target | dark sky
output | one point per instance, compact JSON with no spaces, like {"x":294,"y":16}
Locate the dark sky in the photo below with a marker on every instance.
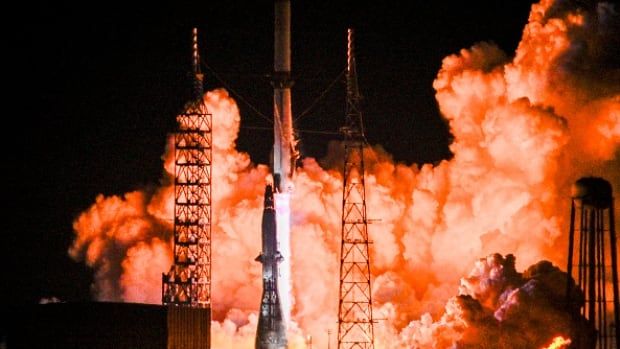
{"x":103,"y":84}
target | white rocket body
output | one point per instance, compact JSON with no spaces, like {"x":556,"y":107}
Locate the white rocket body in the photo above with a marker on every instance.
{"x":284,"y":147}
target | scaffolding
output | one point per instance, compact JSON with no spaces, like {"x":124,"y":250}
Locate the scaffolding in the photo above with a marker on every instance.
{"x":355,"y":320}
{"x":188,"y":283}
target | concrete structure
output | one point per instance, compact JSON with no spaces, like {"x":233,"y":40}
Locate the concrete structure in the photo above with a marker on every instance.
{"x":101,"y":325}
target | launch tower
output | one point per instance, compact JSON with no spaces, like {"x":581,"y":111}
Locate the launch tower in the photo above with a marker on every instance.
{"x":188,"y":283}
{"x":355,"y":321}
{"x":592,"y":258}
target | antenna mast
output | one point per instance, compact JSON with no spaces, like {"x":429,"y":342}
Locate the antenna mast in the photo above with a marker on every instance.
{"x":355,"y":320}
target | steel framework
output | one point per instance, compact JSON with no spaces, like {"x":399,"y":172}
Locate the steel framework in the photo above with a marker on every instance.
{"x":355,"y":320}
{"x":593,"y":247}
{"x":189,"y":280}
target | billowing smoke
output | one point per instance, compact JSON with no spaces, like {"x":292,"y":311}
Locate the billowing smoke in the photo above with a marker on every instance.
{"x":499,"y":308}
{"x":525,"y":127}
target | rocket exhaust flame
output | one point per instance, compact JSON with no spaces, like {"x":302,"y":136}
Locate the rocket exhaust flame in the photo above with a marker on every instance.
{"x":558,"y":343}
{"x":525,"y":128}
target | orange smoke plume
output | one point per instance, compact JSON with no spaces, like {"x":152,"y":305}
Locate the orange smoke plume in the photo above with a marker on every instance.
{"x":524,"y":127}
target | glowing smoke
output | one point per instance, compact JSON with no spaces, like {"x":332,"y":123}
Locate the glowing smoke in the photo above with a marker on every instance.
{"x":524,"y":129}
{"x":499,"y":308}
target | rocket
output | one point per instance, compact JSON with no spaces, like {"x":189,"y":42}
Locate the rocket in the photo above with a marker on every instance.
{"x":271,"y":331}
{"x":284,"y":148}
{"x":285,"y":153}
{"x":275,"y":256}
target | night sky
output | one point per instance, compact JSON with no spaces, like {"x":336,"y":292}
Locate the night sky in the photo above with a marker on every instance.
{"x":104,"y":83}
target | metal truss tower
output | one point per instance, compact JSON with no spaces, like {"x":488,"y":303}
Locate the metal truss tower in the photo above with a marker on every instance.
{"x":593,"y":259}
{"x":188,"y":282}
{"x":355,"y":321}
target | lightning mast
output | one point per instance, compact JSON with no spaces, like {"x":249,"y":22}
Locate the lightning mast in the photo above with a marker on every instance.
{"x":188,"y":283}
{"x":355,"y":320}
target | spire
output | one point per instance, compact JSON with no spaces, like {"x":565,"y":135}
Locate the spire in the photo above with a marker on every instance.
{"x":353,"y":121}
{"x":198,"y":76}
{"x":352,"y":89}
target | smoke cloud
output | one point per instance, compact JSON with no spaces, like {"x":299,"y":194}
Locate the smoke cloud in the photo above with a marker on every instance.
{"x":497,"y":307}
{"x":525,"y":127}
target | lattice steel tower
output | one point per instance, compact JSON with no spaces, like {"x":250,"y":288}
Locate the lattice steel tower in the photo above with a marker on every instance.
{"x":355,"y":321}
{"x":593,"y":259}
{"x":189,"y":280}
